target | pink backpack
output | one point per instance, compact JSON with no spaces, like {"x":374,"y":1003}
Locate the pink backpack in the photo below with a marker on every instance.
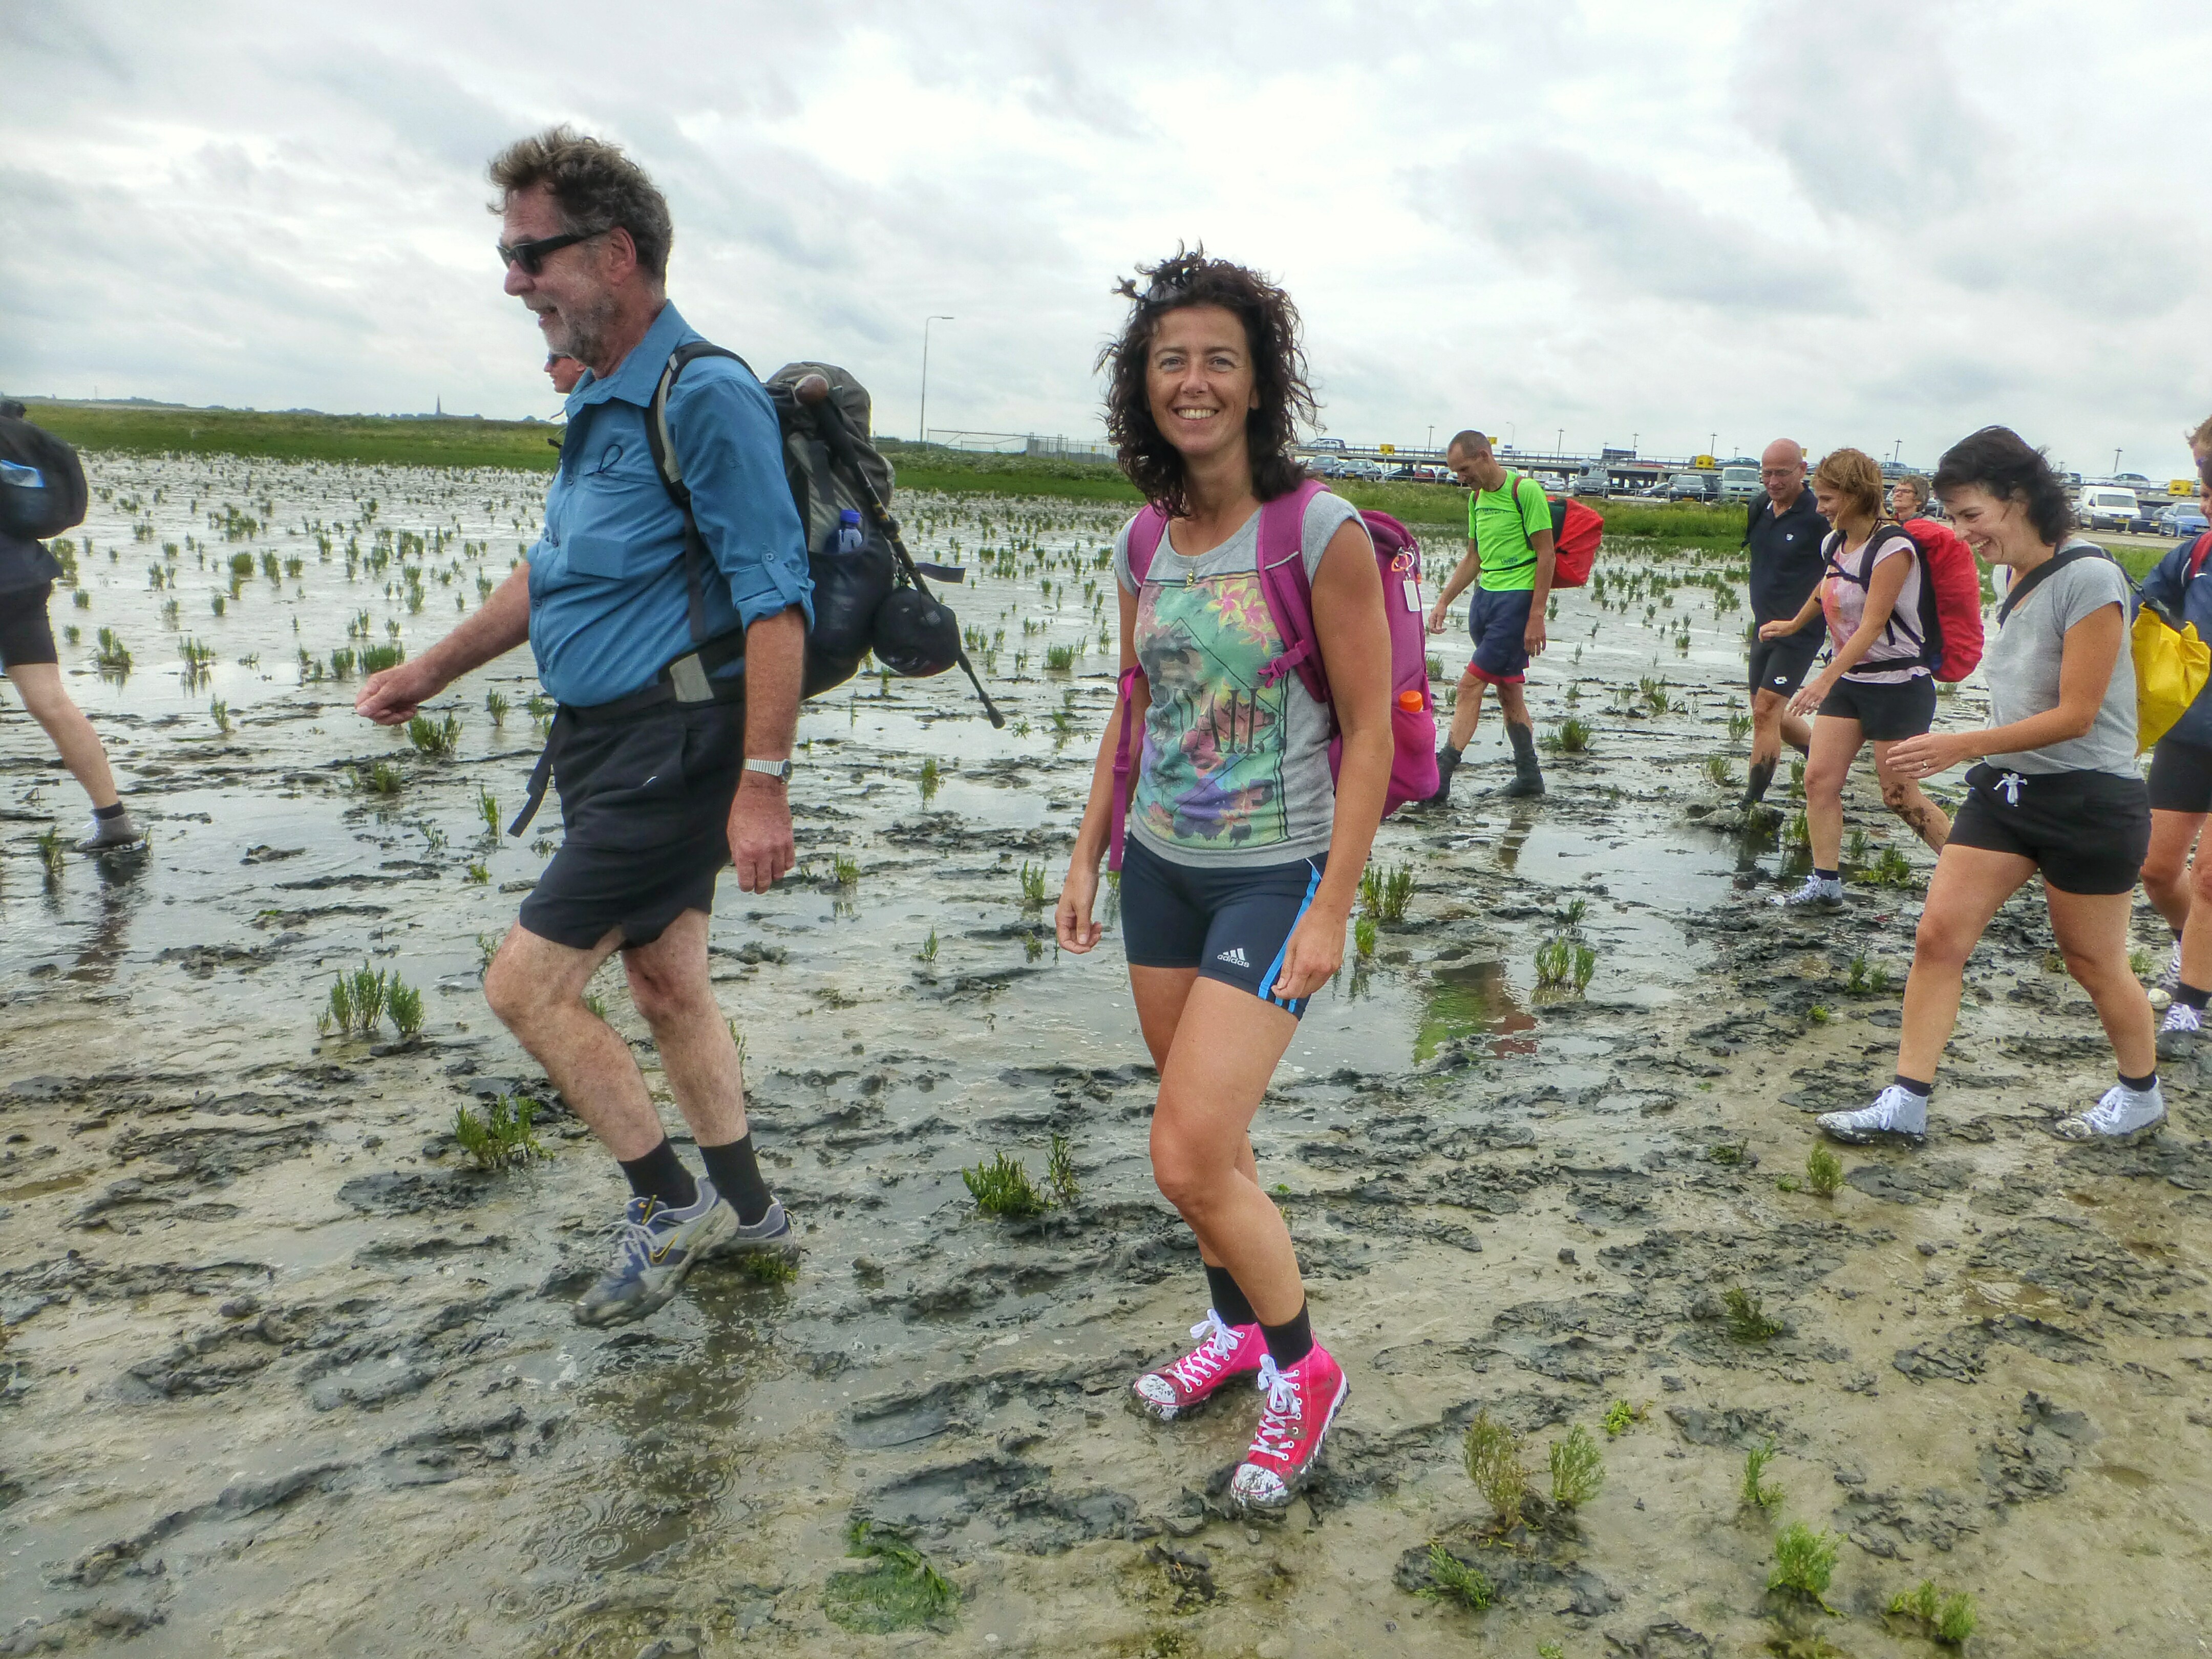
{"x":1290,"y":603}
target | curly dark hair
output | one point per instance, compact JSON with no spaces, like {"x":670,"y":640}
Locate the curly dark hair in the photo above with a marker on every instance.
{"x":595,"y":186}
{"x":2001,"y":461}
{"x":1278,"y":366}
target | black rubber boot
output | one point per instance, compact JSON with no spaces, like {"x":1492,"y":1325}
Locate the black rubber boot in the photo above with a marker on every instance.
{"x":1527,"y":776}
{"x":1447,"y":763}
{"x":1762,"y":774}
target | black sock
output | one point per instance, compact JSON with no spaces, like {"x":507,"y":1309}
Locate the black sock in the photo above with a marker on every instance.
{"x":661,"y":1175}
{"x":1289,"y":1344}
{"x":1828,"y":875}
{"x":1229,"y":1298}
{"x":103,"y":813}
{"x":2149,"y":1080}
{"x":1762,"y":774}
{"x":2191,"y":995}
{"x":1914,"y":1086}
{"x":736,"y":1175}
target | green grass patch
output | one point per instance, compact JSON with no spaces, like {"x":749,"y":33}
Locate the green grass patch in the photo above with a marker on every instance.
{"x":898,"y":1590}
{"x":370,"y":439}
{"x":1949,"y":1618}
{"x":1804,"y":1561}
{"x":502,"y":1137}
{"x":1456,"y":1581}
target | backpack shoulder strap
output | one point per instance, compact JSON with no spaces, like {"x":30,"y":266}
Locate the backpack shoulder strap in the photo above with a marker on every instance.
{"x":1145,"y":532}
{"x":1289,"y":591}
{"x":2198,"y":555}
{"x":2035,"y":578}
{"x":670,"y":466}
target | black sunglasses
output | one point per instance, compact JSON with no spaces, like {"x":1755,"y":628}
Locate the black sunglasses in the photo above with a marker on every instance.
{"x":531,"y":256}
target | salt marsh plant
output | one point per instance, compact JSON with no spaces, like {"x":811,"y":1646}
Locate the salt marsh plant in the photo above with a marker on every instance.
{"x":1621,"y":1417}
{"x":1864,"y":980}
{"x":1033,"y":893}
{"x":357,"y":1002}
{"x":1757,"y":1493}
{"x":1577,"y":1468}
{"x":1566,"y":962}
{"x":1003,"y":1187}
{"x":1060,"y":658}
{"x":342,"y":665}
{"x":845,"y":869}
{"x":496,"y":705}
{"x":1385,"y":893}
{"x":1892,"y":869}
{"x":404,"y":1003}
{"x":898,"y":1590}
{"x":375,"y":659}
{"x":1492,"y":1452}
{"x":1746,"y":1316}
{"x":488,"y":810}
{"x":930,"y":778}
{"x":219,"y":712}
{"x":1571,"y":736}
{"x":113,"y":656}
{"x":1456,"y":1581}
{"x":1738,"y":727}
{"x":435,"y":738}
{"x":241,"y":564}
{"x":928,"y":951}
{"x":1949,"y":1618}
{"x":479,"y":873}
{"x":1800,"y":832}
{"x":1859,"y":847}
{"x":216,"y":605}
{"x":1363,"y":937}
{"x":51,"y":850}
{"x":1060,"y":1174}
{"x":502,"y":1138}
{"x":1824,"y":1172}
{"x":769,"y":1267}
{"x":383,"y":779}
{"x":1717,"y":768}
{"x":1804,"y":1561}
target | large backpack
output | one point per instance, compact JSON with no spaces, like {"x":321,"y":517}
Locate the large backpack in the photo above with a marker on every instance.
{"x":42,"y":490}
{"x":1950,"y":600}
{"x":1576,"y":529}
{"x":1289,"y":594}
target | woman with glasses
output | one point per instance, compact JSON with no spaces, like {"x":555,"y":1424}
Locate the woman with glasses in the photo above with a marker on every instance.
{"x":2181,"y":791}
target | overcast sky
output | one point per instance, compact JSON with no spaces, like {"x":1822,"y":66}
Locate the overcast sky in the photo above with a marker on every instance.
{"x":1846,"y":221}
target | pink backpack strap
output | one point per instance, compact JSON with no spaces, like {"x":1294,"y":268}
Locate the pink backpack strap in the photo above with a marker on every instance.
{"x":1145,"y":532}
{"x":1289,"y":591}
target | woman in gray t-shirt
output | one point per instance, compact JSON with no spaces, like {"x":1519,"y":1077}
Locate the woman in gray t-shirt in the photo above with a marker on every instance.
{"x":2056,"y":790}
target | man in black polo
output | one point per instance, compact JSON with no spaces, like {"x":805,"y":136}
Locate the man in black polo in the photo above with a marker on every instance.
{"x":1783,"y":542}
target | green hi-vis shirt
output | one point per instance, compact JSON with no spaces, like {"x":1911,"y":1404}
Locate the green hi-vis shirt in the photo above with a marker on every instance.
{"x":1505,"y":523}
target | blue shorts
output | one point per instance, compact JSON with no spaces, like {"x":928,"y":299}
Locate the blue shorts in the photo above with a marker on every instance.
{"x":1500,"y":623}
{"x":1230,"y":925}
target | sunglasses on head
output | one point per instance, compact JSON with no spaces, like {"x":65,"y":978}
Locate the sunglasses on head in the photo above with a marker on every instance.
{"x":531,"y":256}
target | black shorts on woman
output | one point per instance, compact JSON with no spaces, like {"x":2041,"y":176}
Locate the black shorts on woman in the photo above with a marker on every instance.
{"x":2086,"y":831}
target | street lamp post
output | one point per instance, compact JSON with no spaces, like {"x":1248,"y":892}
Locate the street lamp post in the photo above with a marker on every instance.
{"x":1431,"y":444}
{"x":1560,"y":443}
{"x":926,"y":322}
{"x":2116,"y":461}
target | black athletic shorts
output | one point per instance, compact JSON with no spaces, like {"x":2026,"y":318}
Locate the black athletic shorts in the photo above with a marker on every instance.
{"x":2086,"y":831}
{"x":1230,"y":925}
{"x":645,"y":801}
{"x":1780,"y":666}
{"x":26,"y":636}
{"x":2180,"y":777}
{"x":1884,"y":713}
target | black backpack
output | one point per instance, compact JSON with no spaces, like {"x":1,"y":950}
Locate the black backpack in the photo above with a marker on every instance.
{"x":42,"y":490}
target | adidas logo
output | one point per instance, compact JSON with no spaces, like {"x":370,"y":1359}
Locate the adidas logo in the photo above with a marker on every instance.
{"x":1235,"y":958}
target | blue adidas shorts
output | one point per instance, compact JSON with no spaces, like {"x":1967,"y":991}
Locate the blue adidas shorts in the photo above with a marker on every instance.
{"x":1230,"y":925}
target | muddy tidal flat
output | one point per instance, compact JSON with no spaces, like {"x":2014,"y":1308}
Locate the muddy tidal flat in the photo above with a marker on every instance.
{"x":285,"y":1372}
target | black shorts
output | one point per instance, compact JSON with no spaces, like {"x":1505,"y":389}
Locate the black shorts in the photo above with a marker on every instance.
{"x":1230,"y":925}
{"x":2086,"y":831}
{"x":1780,"y":666}
{"x":2180,"y":777}
{"x":26,"y":636}
{"x":1884,"y":713}
{"x":645,"y":803}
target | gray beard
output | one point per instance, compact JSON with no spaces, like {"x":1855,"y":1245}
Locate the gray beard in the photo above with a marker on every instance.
{"x":582,"y":335}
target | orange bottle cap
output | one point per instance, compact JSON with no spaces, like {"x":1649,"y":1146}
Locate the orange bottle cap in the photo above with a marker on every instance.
{"x":1409,"y":701}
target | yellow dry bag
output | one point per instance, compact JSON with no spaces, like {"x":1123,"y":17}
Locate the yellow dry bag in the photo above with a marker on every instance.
{"x":2170,"y":668}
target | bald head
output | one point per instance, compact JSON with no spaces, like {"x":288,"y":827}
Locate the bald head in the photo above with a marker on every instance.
{"x":1782,"y":469}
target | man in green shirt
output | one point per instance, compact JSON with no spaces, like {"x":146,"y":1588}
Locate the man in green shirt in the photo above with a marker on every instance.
{"x":1508,"y":541}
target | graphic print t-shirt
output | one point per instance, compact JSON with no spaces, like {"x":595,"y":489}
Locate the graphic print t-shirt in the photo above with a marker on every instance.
{"x":1234,"y":774}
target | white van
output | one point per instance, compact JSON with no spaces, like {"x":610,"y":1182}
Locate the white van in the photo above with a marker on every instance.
{"x":1739,"y":483}
{"x":2100,"y":507}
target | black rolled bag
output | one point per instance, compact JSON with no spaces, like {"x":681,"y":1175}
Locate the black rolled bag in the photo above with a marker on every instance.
{"x":42,"y":493}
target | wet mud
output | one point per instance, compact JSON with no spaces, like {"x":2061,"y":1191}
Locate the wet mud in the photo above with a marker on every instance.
{"x":285,"y":1373}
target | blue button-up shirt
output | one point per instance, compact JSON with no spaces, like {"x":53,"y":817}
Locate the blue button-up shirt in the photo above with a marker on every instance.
{"x":609,"y":605}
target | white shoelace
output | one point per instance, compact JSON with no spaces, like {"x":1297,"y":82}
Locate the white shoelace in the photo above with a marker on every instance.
{"x":1197,"y":1368}
{"x":2106,"y":1116}
{"x":2180,"y":1017}
{"x":1278,"y":1422}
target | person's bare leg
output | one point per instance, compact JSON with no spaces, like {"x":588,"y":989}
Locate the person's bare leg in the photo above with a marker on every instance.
{"x":1513,"y":704}
{"x":537,"y":989}
{"x":1835,"y":745}
{"x":1766,"y":709}
{"x":1161,"y":994}
{"x":2197,"y":934}
{"x":669,"y":985}
{"x":1902,"y":796}
{"x":39,"y":685}
{"x":2092,"y":931}
{"x":2165,"y":875}
{"x":1969,"y":885}
{"x":1217,"y":1072}
{"x":1466,"y":708}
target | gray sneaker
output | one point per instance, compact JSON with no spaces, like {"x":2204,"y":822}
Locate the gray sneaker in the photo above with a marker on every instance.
{"x":1814,"y":895}
{"x":654,"y":1247}
{"x":1897,"y":1114}
{"x":771,"y":1235}
{"x":2177,"y":1032}
{"x":2122,"y":1118}
{"x":111,"y":835}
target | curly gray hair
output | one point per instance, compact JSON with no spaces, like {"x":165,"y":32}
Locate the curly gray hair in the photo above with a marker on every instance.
{"x":595,"y":186}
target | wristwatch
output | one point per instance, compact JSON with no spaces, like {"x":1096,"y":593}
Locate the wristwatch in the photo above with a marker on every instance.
{"x":780,"y":770}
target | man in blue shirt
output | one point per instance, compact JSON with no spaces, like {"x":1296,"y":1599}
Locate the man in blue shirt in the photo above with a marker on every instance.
{"x":660,"y":783}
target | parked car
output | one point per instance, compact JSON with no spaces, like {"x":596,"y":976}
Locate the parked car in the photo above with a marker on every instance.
{"x":2183,"y":519}
{"x":1326,"y":443}
{"x":2100,"y":507}
{"x":1687,"y":487}
{"x":1595,"y":481}
{"x":1368,"y":471}
{"x":1739,"y":483}
{"x":1405,"y":474}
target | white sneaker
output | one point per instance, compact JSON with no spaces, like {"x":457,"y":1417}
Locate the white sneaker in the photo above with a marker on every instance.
{"x":1897,"y":1114}
{"x":2177,"y":1033}
{"x":2123,"y":1117}
{"x":1815,"y":895}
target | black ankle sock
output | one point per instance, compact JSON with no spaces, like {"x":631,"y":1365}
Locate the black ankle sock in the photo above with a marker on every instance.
{"x":1289,"y":1344}
{"x":103,"y":813}
{"x":2149,"y":1080}
{"x":661,"y":1175}
{"x":736,"y":1175}
{"x":1828,"y":875}
{"x":1762,"y":774}
{"x":2191,"y":995}
{"x":1229,"y":1298}
{"x":1915,"y":1086}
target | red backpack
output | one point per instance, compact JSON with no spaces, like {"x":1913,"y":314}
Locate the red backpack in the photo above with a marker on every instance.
{"x":1576,"y":529}
{"x":1950,"y":600}
{"x":1289,"y":594}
